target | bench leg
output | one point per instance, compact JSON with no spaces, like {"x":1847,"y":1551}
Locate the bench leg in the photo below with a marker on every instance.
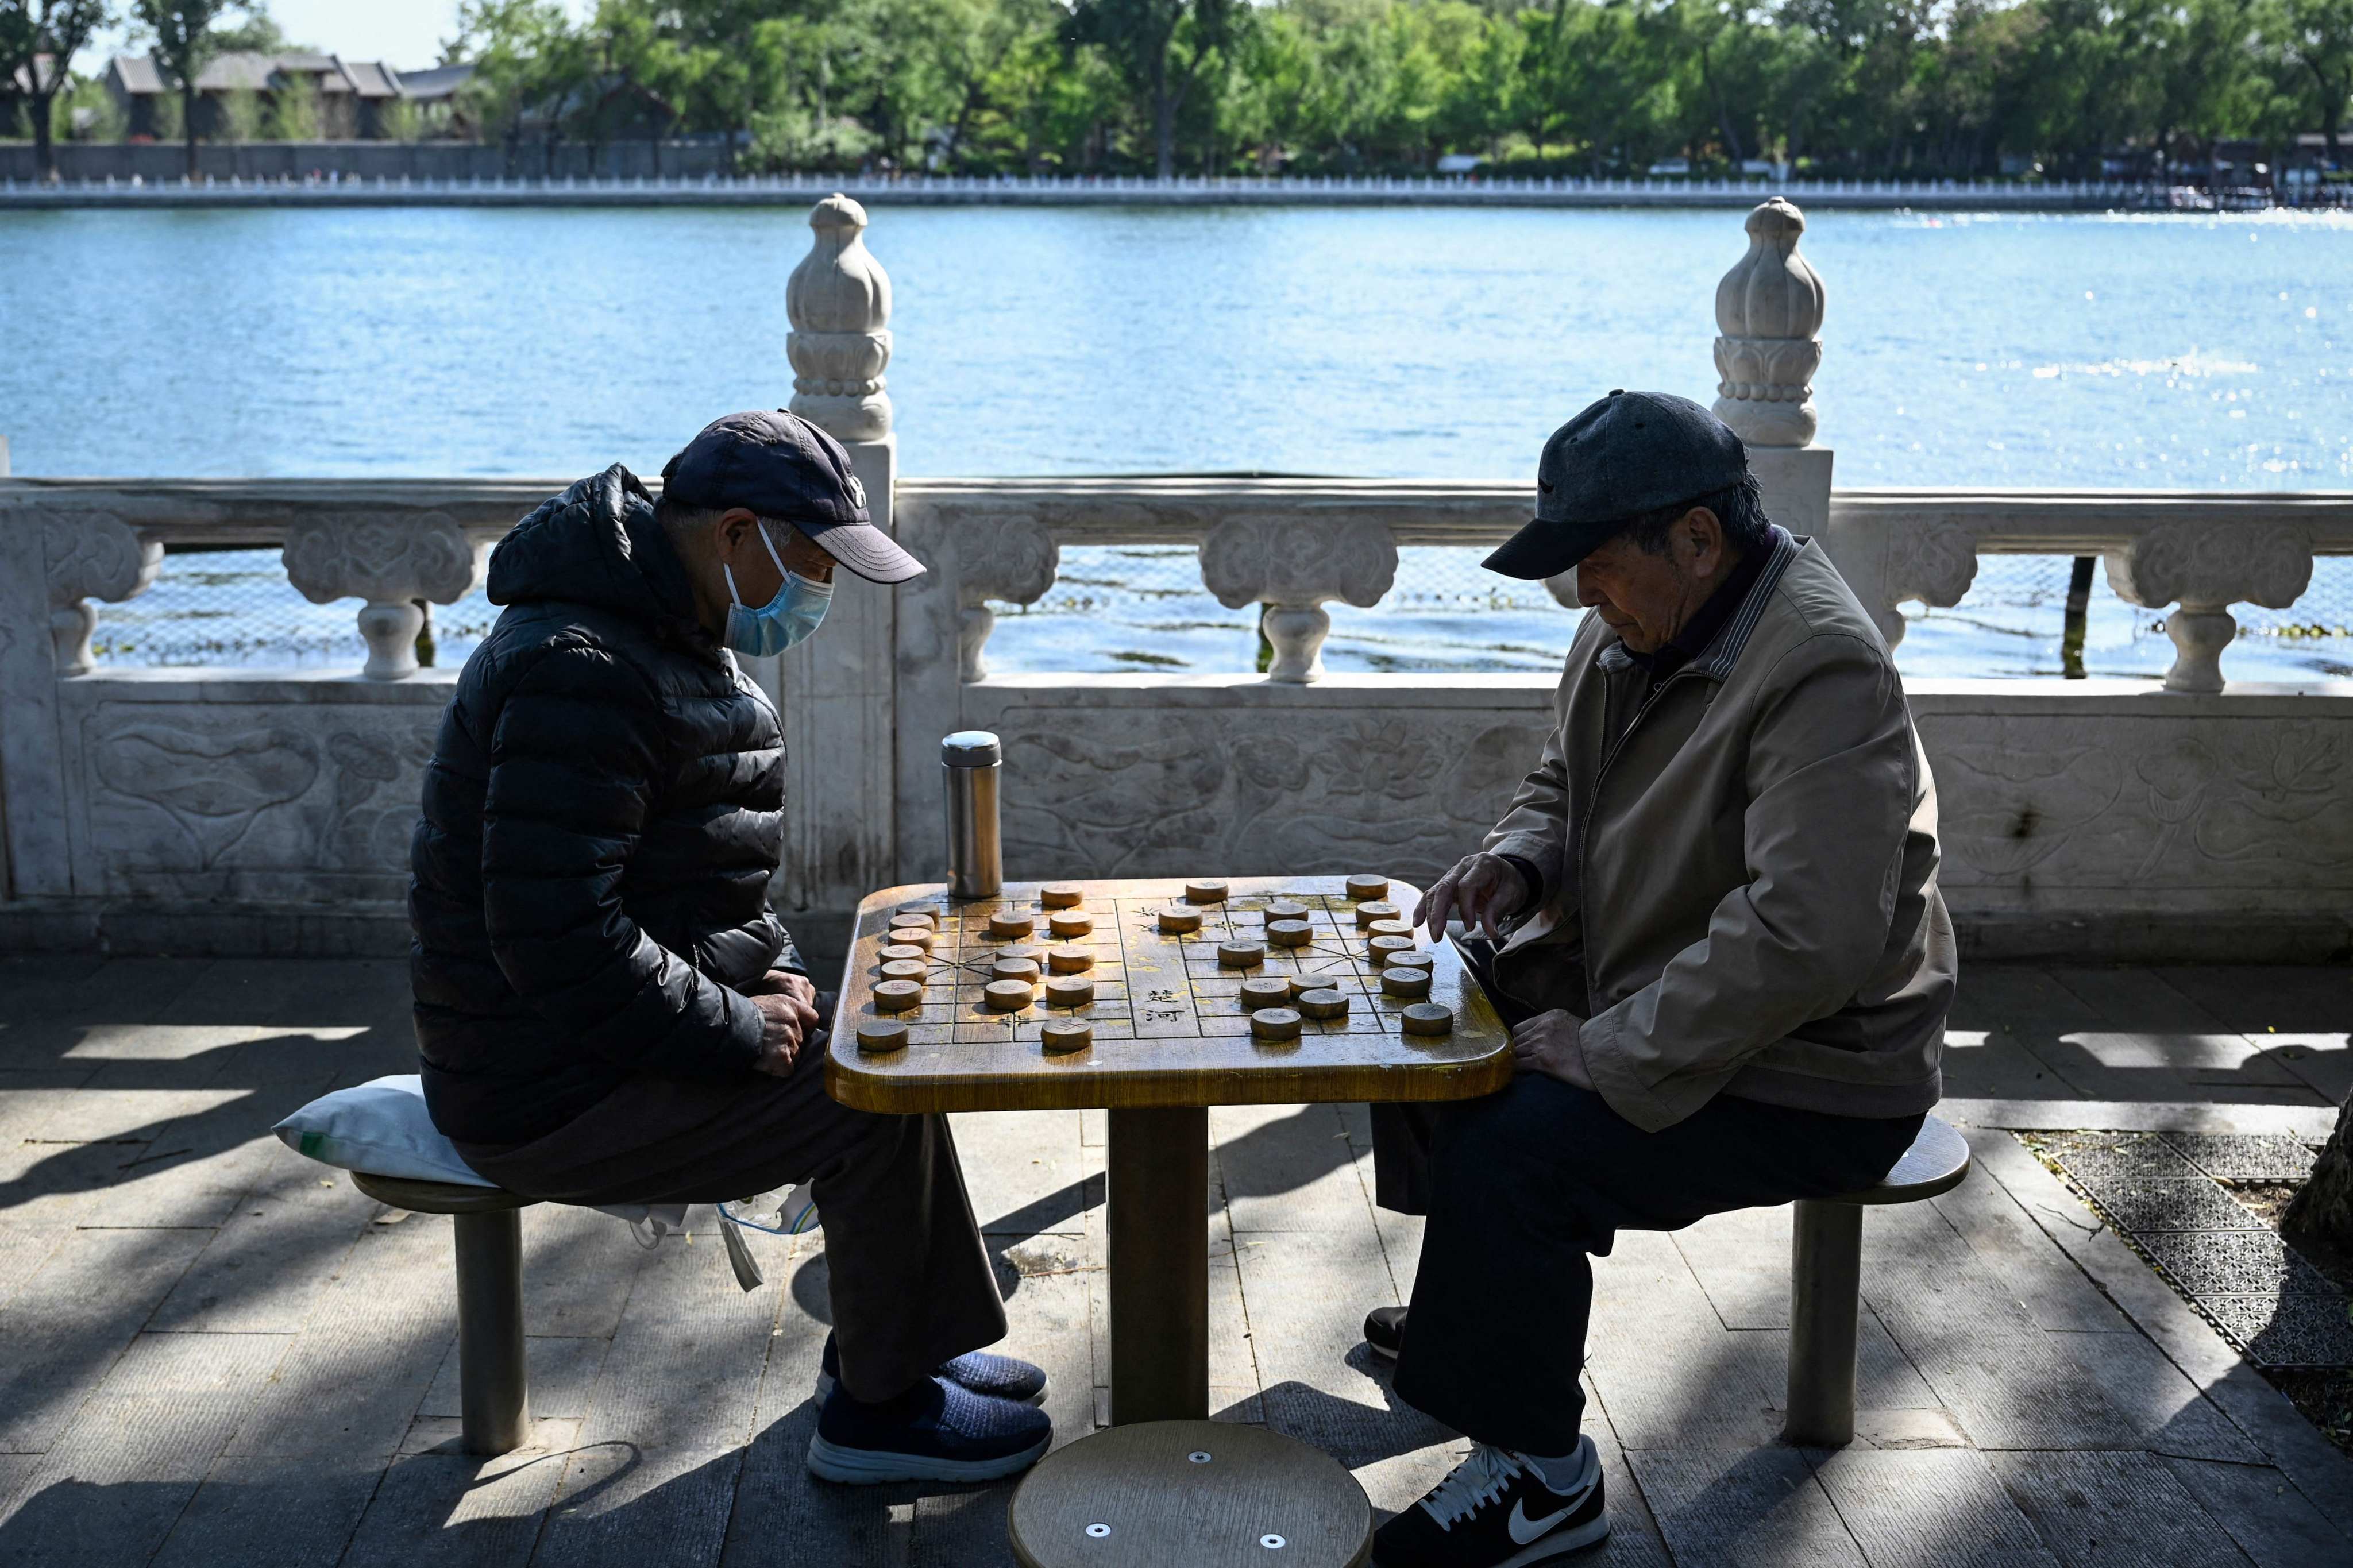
{"x":493,"y":1388}
{"x":1825,"y":1286}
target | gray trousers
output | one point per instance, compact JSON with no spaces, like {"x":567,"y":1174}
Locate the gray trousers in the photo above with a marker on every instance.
{"x":910,"y":1277}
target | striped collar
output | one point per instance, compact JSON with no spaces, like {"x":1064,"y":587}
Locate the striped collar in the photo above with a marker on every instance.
{"x":1723,"y":649}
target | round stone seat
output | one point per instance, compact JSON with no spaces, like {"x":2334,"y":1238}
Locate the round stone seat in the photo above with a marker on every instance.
{"x":494,"y":1391}
{"x":1189,"y":1494}
{"x":1826,"y":1282}
{"x":1937,"y":1162}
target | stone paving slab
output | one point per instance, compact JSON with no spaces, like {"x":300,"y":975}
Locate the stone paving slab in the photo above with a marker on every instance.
{"x":205,"y":1343}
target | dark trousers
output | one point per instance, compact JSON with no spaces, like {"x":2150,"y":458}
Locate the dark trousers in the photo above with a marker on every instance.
{"x":909,"y":1275}
{"x":1524,"y":1186}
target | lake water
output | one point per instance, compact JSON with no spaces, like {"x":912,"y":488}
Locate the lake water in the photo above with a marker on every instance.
{"x":2198,"y":351}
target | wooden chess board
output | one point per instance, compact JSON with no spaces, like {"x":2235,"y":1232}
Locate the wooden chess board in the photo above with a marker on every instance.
{"x":1169,"y":1017}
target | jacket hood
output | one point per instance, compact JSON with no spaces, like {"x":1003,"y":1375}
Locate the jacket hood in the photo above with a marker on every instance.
{"x":597,"y":543}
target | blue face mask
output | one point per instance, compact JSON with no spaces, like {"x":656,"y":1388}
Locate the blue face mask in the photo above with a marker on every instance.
{"x":789,"y":617}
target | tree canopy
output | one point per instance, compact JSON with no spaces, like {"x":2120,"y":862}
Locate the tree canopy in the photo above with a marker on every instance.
{"x":1844,"y":87}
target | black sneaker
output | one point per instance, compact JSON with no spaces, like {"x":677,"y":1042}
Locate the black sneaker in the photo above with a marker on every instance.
{"x":934,"y":1432}
{"x":1384,"y":1332}
{"x":1001,"y":1376}
{"x":1496,"y":1511}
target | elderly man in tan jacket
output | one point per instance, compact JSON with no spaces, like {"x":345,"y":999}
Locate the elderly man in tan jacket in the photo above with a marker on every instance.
{"x":1711,"y":916}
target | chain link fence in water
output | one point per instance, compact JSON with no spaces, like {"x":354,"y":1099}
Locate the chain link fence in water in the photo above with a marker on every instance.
{"x":1143,"y":607}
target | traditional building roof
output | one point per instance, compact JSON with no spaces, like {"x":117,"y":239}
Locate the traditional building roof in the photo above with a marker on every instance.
{"x":137,"y":74}
{"x":433,"y":83}
{"x":371,"y":78}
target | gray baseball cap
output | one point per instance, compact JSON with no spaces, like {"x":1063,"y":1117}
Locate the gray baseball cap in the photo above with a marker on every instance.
{"x":1631,"y":453}
{"x":779,"y":465}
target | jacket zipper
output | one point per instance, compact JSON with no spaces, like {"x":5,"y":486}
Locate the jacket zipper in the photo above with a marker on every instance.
{"x":1585,"y":949}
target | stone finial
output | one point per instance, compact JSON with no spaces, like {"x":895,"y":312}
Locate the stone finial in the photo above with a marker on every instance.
{"x":1293,"y":567}
{"x":1768,"y":310}
{"x":839,"y":301}
{"x":91,"y":555}
{"x":391,"y":560}
{"x":2207,"y":569}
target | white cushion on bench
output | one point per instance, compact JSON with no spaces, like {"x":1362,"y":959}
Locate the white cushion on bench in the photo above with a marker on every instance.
{"x":380,"y":1128}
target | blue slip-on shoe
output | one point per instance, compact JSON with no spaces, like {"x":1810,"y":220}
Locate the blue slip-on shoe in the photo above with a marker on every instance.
{"x":937,"y":1431}
{"x":1001,"y":1376}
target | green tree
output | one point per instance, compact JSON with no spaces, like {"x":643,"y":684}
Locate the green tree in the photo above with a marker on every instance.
{"x":241,"y":115}
{"x":293,"y":113}
{"x":2317,"y":36}
{"x":178,"y":32}
{"x":1165,"y":48}
{"x":38,"y":39}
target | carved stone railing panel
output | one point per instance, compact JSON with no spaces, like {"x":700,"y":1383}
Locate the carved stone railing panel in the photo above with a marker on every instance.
{"x":839,"y":299}
{"x":2206,"y":569}
{"x":91,"y":555}
{"x":1012,"y":560}
{"x":391,"y":560}
{"x":1294,"y":566}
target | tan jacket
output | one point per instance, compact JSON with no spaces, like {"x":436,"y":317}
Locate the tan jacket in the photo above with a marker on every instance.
{"x":1742,"y":889}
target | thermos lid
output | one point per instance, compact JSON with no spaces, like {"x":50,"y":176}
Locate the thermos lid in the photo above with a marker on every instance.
{"x":971,"y":749}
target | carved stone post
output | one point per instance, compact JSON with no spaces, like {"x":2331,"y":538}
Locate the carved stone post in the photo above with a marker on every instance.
{"x":1295,"y":568}
{"x":836,"y":692}
{"x":1768,"y":319}
{"x":391,"y":560}
{"x":2207,"y":569}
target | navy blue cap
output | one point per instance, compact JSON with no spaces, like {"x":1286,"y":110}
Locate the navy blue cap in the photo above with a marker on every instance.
{"x":1633,"y":452}
{"x":780,"y":465}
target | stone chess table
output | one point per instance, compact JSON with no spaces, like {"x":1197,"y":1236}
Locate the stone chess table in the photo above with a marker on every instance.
{"x":1168,"y":1013}
{"x":1157,"y":999}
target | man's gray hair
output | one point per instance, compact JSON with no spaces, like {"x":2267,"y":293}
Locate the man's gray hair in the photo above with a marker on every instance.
{"x":1739,"y":507}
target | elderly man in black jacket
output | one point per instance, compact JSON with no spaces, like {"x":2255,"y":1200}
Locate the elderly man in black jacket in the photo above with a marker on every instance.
{"x":607,"y":1008}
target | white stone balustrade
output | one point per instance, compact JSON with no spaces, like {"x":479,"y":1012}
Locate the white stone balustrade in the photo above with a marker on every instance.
{"x":391,"y":560}
{"x":91,"y":555}
{"x":2201,"y":552}
{"x":209,"y":810}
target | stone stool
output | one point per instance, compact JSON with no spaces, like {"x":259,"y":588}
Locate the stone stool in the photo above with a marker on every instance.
{"x":493,"y":1382}
{"x":1826,"y":1280}
{"x":1189,"y":1494}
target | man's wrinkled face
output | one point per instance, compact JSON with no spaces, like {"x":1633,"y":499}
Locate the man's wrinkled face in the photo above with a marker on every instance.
{"x":1646,"y":598}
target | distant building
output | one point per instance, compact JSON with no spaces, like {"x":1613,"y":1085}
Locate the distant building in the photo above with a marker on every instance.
{"x":354,"y":96}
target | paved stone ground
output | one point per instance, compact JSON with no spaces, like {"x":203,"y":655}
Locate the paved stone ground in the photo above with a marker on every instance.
{"x":213,"y":1351}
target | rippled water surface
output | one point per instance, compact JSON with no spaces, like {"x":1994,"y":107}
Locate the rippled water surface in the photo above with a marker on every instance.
{"x":2204,"y":352}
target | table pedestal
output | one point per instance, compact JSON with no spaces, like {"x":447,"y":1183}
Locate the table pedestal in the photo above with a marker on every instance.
{"x":1158,"y":1223}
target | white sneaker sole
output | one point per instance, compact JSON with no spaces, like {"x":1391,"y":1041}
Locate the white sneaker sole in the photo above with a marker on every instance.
{"x":825,"y":1392}
{"x":869,"y":1467}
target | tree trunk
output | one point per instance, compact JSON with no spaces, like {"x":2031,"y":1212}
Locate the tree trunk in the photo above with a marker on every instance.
{"x":2321,"y":1216}
{"x":45,"y":152}
{"x":1164,"y":119}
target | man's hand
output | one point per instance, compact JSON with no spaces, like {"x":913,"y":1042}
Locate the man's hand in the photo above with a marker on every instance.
{"x":785,"y":1019}
{"x":783,"y":983}
{"x":1486,"y":889}
{"x":1547,"y":1043}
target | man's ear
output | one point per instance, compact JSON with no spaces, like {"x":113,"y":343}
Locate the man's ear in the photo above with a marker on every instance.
{"x":734,"y":531}
{"x":1705,"y":531}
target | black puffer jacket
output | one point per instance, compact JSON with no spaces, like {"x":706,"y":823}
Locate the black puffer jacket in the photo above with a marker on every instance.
{"x":602,"y":814}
